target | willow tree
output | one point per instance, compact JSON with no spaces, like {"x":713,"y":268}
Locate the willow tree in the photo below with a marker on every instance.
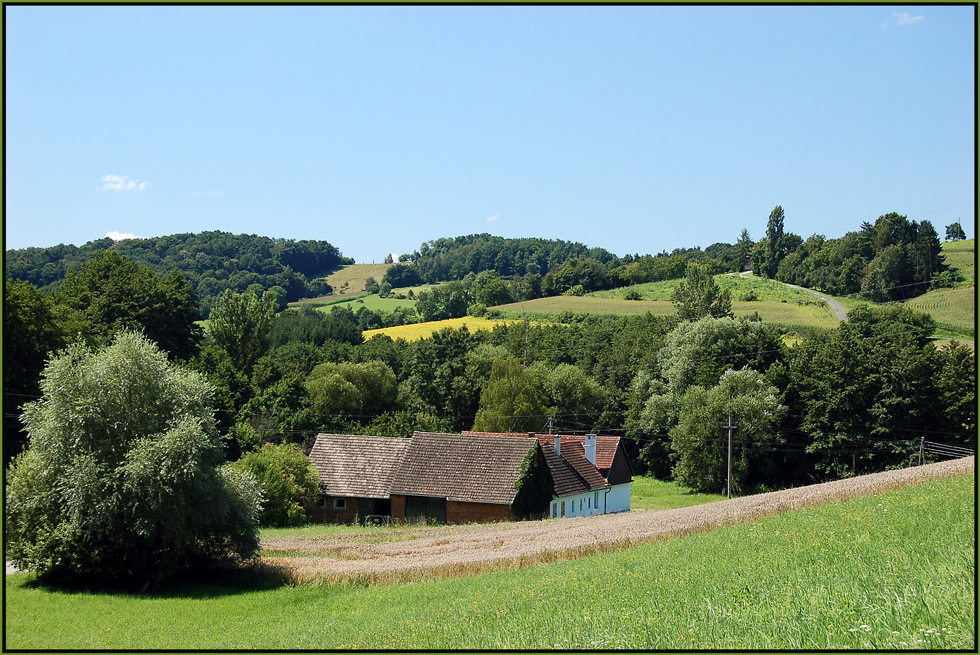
{"x":121,"y":483}
{"x":514,"y":399}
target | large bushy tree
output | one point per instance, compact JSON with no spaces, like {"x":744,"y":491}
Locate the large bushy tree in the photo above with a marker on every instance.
{"x":514,"y":399}
{"x":121,"y":481}
{"x":699,"y":443}
{"x":241,"y":326}
{"x":694,"y":354}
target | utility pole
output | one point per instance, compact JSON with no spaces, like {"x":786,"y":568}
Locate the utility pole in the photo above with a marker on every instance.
{"x":731,"y":428}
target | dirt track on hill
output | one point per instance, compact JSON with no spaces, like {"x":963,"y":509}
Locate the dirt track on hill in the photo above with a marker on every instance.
{"x":379,"y":555}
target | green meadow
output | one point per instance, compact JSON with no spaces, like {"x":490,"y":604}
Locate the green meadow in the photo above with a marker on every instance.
{"x":891,"y":571}
{"x":772,"y":301}
{"x":961,"y":255}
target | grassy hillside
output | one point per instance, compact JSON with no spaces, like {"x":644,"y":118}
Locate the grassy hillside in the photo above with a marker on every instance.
{"x":962,"y":256}
{"x":354,"y":277}
{"x":774,"y":302}
{"x":892,"y":571}
{"x":954,"y":310}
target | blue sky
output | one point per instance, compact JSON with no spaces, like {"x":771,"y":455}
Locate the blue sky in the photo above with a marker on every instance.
{"x":635,"y":129}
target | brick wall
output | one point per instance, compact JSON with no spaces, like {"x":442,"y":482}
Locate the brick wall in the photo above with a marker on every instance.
{"x":342,"y":516}
{"x":459,"y":512}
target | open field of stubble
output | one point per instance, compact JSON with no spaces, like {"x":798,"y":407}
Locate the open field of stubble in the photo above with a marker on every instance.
{"x":384,"y":555}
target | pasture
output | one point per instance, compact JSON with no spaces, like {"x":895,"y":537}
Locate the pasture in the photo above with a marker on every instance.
{"x":890,"y":571}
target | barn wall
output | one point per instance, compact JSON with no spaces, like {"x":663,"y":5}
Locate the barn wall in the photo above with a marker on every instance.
{"x":397,"y":509}
{"x":342,"y":516}
{"x":459,"y":512}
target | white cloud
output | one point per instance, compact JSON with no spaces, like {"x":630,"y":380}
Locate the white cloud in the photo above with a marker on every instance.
{"x":122,"y":183}
{"x":904,"y":18}
{"x":493,"y":219}
{"x":119,"y":236}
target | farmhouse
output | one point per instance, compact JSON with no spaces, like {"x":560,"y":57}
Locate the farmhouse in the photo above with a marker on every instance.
{"x":469,"y":477}
{"x":592,"y":473}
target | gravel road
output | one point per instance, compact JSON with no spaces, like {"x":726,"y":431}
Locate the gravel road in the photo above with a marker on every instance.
{"x":839,"y":310}
{"x":473,"y":548}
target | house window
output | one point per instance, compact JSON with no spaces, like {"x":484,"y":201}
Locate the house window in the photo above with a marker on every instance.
{"x":322,"y":502}
{"x":340,"y":503}
{"x":590,"y":503}
{"x":563,"y":508}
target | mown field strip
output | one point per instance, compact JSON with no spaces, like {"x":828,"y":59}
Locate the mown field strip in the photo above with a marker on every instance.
{"x":812,"y":312}
{"x":956,"y":307}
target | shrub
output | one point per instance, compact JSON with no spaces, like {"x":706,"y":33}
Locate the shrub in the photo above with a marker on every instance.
{"x":288,"y":480}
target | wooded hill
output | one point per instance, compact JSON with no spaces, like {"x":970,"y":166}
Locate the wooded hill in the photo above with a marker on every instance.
{"x":210,"y":261}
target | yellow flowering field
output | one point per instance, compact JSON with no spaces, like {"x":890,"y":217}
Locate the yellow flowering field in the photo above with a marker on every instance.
{"x":424,"y":330}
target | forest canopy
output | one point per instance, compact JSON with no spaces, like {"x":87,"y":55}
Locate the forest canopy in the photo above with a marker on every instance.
{"x":211,"y":262}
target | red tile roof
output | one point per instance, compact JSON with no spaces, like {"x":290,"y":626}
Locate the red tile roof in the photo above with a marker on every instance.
{"x":572,"y":473}
{"x":357,"y":466}
{"x":467,"y":467}
{"x":605,"y":452}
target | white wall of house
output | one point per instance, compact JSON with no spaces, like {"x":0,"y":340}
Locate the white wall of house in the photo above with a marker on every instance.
{"x":588,"y":503}
{"x":618,"y":499}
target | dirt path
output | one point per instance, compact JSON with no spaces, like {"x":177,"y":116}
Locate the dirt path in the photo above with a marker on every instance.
{"x":451,"y":550}
{"x":834,"y":305}
{"x":839,"y":310}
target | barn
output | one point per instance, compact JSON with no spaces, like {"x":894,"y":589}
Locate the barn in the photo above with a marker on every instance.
{"x":431,"y":477}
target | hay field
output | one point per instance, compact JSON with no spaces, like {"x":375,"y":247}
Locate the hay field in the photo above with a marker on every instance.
{"x":355,"y":276}
{"x":955,"y":307}
{"x":467,"y":549}
{"x":589,"y":305}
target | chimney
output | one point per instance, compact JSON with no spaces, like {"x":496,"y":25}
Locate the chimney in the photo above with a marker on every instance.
{"x":558,"y":445}
{"x":590,"y":440}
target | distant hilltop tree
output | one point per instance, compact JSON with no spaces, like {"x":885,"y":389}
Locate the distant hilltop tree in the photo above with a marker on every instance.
{"x":955,"y":232}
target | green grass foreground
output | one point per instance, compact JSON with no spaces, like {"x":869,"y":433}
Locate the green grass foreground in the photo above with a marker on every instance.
{"x":891,"y":571}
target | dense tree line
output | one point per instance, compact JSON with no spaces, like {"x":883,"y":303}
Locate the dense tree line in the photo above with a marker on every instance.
{"x":281,"y":377}
{"x":471,"y":284}
{"x":893,"y":259}
{"x":211,"y":262}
